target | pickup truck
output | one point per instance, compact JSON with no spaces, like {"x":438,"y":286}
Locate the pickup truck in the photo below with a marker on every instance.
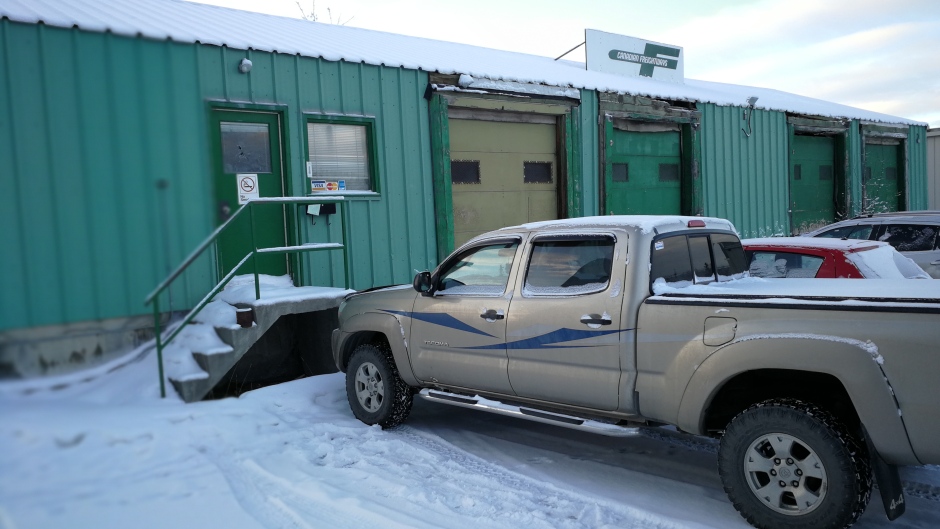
{"x":815,"y":388}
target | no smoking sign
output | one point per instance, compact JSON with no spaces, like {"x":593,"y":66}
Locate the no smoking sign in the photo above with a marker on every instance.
{"x":247,"y":187}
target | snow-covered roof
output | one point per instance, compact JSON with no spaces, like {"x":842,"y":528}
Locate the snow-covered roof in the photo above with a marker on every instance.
{"x":189,"y":22}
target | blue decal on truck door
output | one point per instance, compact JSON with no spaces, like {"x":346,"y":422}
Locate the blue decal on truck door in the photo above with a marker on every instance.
{"x":437,"y":318}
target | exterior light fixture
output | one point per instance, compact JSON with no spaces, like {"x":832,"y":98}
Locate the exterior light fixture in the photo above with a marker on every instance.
{"x":244,"y":66}
{"x":747,"y":115}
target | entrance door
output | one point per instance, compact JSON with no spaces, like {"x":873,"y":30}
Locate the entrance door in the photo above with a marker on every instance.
{"x":643,"y":176}
{"x":502,"y":174}
{"x":881,"y":178}
{"x":812,"y":183}
{"x":248,"y":162}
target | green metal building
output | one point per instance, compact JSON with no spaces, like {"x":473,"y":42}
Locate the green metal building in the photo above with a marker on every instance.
{"x":128,"y":130}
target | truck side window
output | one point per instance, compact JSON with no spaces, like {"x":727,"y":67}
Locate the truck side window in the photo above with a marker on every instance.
{"x":569,"y":267}
{"x":481,"y":270}
{"x":670,"y":261}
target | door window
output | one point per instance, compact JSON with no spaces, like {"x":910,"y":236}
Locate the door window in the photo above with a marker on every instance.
{"x":483,"y":270}
{"x":569,"y":267}
{"x":910,"y":237}
{"x":246,"y":147}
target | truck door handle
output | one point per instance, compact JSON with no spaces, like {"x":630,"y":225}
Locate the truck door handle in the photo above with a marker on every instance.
{"x":492,"y":314}
{"x":937,"y":262}
{"x":595,"y":319}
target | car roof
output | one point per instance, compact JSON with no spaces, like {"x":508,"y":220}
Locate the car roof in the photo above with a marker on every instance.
{"x":641,"y":223}
{"x":845,"y":245}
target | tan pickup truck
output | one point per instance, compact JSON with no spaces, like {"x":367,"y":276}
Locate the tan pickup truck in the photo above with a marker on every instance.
{"x":606,"y":324}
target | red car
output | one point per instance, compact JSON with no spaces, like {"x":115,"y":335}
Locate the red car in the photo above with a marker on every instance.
{"x":827,"y":258}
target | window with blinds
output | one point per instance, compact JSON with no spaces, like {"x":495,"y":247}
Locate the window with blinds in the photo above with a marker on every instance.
{"x":340,"y":152}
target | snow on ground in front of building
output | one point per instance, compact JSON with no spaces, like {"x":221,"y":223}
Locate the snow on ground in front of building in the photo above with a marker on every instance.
{"x":105,"y":451}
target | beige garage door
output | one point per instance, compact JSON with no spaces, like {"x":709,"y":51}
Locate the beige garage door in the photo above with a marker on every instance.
{"x":503,"y":174}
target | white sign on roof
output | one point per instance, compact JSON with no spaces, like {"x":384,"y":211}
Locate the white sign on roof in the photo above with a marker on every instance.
{"x":633,"y":57}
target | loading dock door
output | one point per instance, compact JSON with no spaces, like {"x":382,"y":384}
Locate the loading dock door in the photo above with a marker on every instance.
{"x":502,"y":174}
{"x":882,"y":193}
{"x":812,"y":183}
{"x":644,"y":175}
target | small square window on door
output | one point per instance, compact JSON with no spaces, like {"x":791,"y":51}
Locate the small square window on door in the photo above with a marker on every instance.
{"x":465,"y":171}
{"x":621,"y":172}
{"x":537,"y":172}
{"x":340,"y":151}
{"x":668,"y":172}
{"x":246,"y":147}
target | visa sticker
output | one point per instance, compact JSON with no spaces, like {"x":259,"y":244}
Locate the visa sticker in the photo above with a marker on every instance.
{"x":659,"y":245}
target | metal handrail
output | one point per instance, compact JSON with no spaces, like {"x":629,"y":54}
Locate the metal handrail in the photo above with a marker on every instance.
{"x":154,"y":297}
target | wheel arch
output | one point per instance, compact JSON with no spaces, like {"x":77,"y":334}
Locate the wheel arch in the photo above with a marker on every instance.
{"x":379,"y":329}
{"x":842,"y":376}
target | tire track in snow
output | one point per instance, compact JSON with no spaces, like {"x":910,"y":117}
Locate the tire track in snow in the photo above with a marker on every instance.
{"x":559,"y":507}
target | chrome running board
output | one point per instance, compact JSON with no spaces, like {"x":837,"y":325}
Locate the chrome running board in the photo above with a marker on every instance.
{"x":520,"y":412}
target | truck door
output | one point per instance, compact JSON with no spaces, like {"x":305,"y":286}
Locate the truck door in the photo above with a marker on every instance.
{"x":458,"y":334}
{"x":563,"y":333}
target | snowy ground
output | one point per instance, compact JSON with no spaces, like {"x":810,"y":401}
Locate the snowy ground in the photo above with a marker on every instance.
{"x":101,"y":450}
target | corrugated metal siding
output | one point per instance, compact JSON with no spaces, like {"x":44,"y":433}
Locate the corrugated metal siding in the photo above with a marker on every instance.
{"x":390,"y":235}
{"x":98,"y":123}
{"x":745,"y":179}
{"x":589,"y":153}
{"x":95,"y":122}
{"x":918,"y":196}
{"x":933,"y":167}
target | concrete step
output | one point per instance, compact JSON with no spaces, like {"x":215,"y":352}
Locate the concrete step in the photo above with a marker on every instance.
{"x":216,"y":365}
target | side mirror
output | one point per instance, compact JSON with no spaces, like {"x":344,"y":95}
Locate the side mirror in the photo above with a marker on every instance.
{"x":422,"y":282}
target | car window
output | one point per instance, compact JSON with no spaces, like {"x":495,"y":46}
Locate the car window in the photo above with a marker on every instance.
{"x":783,"y":264}
{"x":569,"y":267}
{"x":671,"y":262}
{"x":730,"y":262}
{"x":481,"y":270}
{"x":910,"y":237}
{"x":702,"y":266}
{"x":857,"y":231}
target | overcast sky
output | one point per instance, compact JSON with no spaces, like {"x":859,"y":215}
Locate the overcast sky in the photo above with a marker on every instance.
{"x":873,"y":54}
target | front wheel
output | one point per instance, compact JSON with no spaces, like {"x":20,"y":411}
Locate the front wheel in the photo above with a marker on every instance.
{"x":376,"y":394}
{"x":786,"y":464}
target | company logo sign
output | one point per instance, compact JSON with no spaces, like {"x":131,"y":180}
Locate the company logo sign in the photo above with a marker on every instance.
{"x":649,"y":59}
{"x":633,"y":57}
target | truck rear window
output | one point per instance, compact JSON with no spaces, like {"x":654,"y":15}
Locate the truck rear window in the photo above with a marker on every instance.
{"x":697,"y":258}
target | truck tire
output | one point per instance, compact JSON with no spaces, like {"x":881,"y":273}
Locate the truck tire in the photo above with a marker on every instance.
{"x":787,"y":464}
{"x":376,"y":394}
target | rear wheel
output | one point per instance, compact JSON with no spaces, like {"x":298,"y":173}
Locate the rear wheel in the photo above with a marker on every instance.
{"x":786,"y":464}
{"x":376,"y":394}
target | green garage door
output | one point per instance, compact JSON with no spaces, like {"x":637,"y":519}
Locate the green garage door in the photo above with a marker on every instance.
{"x":882,"y":193}
{"x":643,"y":173}
{"x":502,"y":174}
{"x":812,"y":183}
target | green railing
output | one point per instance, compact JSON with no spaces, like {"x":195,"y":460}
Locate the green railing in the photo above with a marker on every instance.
{"x":154,"y":297}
